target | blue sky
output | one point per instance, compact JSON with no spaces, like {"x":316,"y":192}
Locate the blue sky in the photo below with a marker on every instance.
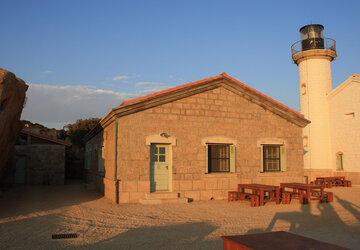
{"x":82,"y":58}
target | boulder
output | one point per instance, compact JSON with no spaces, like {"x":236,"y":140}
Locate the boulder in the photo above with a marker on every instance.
{"x":12,"y":98}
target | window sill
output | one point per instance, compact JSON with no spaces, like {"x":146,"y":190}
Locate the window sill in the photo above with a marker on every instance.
{"x":217,"y":175}
{"x":269,"y":174}
{"x":339,"y":169}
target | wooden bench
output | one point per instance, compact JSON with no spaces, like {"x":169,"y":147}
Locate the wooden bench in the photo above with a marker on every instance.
{"x":254,"y":198}
{"x":343,"y":183}
{"x":330,"y":182}
{"x":285,"y":197}
{"x":233,"y":196}
{"x":288,"y":195}
{"x":348,"y":183}
{"x":329,"y":196}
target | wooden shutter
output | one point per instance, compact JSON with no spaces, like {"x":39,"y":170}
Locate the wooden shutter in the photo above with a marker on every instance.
{"x":261,"y":159}
{"x":283,"y":158}
{"x":232,"y":159}
{"x":207,"y":159}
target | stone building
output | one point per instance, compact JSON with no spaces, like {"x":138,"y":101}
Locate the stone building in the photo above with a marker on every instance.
{"x":196,"y":141}
{"x":39,"y":159}
{"x":331,"y":141}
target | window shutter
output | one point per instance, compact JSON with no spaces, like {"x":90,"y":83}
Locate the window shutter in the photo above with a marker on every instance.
{"x":283,"y":158}
{"x":261,"y":159}
{"x":339,"y":161}
{"x":342,"y":161}
{"x":207,"y":159}
{"x":232,"y":159}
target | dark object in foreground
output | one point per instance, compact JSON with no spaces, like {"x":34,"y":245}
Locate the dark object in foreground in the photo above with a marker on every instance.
{"x":275,"y":240}
{"x":64,"y":236}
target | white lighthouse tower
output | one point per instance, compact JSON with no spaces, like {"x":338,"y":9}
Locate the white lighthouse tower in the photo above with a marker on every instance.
{"x":313,"y":55}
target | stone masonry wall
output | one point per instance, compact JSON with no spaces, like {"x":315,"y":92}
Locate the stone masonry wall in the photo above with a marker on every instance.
{"x":217,"y":112}
{"x":104,"y":182}
{"x":45,"y":163}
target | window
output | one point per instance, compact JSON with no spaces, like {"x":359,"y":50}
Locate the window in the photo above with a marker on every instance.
{"x":158,"y":153}
{"x":339,"y":161}
{"x":305,"y":141}
{"x":349,"y":115}
{"x":273,"y":158}
{"x":220,"y":158}
{"x":303,"y":89}
{"x":101,"y":159}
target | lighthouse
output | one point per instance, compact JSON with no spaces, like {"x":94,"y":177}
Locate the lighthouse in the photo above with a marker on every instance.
{"x":313,"y":55}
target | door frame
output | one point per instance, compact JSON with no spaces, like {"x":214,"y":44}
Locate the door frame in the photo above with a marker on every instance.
{"x":168,"y":163}
{"x":171,"y":142}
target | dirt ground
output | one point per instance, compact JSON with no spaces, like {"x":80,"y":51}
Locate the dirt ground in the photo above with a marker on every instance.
{"x":29,"y":215}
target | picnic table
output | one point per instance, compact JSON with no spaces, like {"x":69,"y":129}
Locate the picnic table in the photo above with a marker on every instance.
{"x":260,"y":190}
{"x":305,"y":192}
{"x":275,"y":240}
{"x":331,"y":181}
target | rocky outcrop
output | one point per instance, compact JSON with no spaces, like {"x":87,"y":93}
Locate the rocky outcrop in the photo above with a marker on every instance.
{"x":12,"y":98}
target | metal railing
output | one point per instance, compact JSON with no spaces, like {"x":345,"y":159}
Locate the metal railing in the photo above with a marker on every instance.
{"x":297,"y":47}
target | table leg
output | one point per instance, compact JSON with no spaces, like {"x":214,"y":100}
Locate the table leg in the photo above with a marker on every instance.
{"x":277,"y":198}
{"x":321,"y":194}
{"x":308,"y":193}
{"x":261,"y":197}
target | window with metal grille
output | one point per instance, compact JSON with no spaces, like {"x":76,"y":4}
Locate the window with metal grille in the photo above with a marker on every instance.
{"x":271,"y":158}
{"x":219,"y":158}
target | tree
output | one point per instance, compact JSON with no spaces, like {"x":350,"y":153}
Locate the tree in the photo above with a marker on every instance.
{"x":78,"y":130}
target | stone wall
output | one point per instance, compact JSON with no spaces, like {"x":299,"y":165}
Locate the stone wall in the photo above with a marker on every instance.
{"x":215,"y":113}
{"x":45,"y":164}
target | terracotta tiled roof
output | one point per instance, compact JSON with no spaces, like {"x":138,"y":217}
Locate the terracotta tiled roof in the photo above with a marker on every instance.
{"x":218,"y":77}
{"x":45,"y":137}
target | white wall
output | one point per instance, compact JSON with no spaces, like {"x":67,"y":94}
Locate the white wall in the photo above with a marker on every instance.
{"x":345,"y":131}
{"x":315,"y":74}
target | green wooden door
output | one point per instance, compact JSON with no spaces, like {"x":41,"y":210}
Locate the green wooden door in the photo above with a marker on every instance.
{"x":159,"y":167}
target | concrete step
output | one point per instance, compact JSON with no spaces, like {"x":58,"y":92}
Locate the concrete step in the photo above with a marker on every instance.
{"x":162,"y":195}
{"x":163,"y":200}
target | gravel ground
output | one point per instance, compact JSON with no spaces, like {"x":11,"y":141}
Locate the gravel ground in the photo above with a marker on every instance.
{"x":29,"y":215}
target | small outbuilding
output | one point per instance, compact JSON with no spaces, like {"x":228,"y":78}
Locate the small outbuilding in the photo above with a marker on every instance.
{"x":39,"y":159}
{"x":195,"y":141}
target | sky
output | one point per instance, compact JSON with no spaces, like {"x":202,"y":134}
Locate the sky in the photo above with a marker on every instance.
{"x":83,"y":58}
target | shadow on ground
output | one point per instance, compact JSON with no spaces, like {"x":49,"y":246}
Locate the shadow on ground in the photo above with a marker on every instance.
{"x":180,"y":236}
{"x":24,"y":200}
{"x":324,"y":227}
